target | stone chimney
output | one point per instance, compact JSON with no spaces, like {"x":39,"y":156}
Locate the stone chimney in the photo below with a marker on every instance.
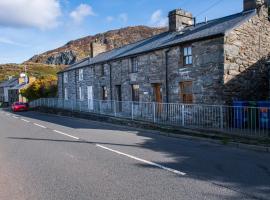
{"x":97,"y":48}
{"x":179,"y":19}
{"x":254,"y":4}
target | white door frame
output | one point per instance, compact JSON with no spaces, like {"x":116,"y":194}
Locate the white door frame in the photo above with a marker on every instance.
{"x":90,"y":97}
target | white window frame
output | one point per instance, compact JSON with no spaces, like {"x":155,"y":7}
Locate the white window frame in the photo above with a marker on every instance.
{"x":80,"y":74}
{"x":65,"y":77}
{"x":66,"y":94}
{"x":188,"y":57}
{"x":80,"y":93}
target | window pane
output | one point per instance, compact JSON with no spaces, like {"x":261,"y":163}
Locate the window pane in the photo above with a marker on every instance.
{"x":189,"y":51}
{"x":185,"y":52}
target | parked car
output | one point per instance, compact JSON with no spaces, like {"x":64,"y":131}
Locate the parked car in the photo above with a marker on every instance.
{"x":19,"y":106}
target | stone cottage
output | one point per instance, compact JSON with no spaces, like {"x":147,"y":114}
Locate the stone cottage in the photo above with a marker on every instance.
{"x":213,"y":62}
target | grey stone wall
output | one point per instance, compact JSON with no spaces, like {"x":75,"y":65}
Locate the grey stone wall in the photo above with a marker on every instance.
{"x":206,"y":74}
{"x":246,"y":50}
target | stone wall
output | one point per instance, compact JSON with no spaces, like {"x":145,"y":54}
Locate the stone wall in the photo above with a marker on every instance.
{"x":206,"y":74}
{"x":246,"y":49}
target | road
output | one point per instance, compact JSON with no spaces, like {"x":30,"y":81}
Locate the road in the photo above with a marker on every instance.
{"x":54,"y":157}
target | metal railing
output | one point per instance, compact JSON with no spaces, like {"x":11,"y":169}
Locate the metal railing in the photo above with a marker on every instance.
{"x":234,"y":120}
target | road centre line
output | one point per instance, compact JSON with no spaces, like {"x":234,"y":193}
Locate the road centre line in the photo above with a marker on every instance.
{"x":40,"y":125}
{"x":66,"y":134}
{"x":144,"y":161}
{"x":25,"y":120}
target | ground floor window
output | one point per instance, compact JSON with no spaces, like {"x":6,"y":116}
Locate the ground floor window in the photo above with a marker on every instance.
{"x":66,"y":94}
{"x":135,"y":93}
{"x":80,"y":93}
{"x":186,"y":92}
{"x":104,"y":93}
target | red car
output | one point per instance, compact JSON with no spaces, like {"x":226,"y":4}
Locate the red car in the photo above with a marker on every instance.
{"x":19,"y":106}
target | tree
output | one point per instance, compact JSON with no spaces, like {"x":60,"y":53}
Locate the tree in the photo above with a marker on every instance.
{"x":45,"y":87}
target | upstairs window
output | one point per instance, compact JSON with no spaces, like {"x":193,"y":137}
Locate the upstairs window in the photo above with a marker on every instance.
{"x":102,"y":70}
{"x":188,"y":55}
{"x":135,"y":93}
{"x":186,"y":92}
{"x":104,"y":93}
{"x":65,"y":77}
{"x":80,"y":74}
{"x":92,"y":71}
{"x":134,"y":65}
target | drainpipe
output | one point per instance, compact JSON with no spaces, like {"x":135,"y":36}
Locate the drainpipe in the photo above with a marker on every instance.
{"x":166,"y":76}
{"x":75,"y":86}
{"x":111,"y":93}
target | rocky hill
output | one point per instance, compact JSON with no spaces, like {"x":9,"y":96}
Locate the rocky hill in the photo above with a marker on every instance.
{"x":78,"y":49}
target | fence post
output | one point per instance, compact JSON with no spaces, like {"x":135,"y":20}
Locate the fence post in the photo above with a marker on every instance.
{"x":183,"y":114}
{"x":132,"y":111}
{"x":221,"y":117}
{"x":154,"y":112}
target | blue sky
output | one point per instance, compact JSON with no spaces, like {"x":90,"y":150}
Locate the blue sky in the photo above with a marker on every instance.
{"x":29,"y":27}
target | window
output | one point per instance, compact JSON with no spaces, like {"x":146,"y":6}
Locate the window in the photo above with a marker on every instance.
{"x":104,"y":93}
{"x":188,"y":55}
{"x":92,"y":71}
{"x":65,"y":77}
{"x":80,"y":74}
{"x":80,"y":93}
{"x":186,"y":92}
{"x":134,"y":65}
{"x":135,"y":93}
{"x":66,"y":94}
{"x":103,"y":70}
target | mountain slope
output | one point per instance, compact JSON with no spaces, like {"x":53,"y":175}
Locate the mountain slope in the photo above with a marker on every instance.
{"x":78,"y":49}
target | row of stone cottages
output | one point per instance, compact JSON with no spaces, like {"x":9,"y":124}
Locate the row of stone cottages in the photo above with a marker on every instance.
{"x":214,"y":62}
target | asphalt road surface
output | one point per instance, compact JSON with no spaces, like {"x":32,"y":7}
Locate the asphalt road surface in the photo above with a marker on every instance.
{"x":59,"y":158}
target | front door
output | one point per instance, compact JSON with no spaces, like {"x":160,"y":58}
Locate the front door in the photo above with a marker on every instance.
{"x":118,"y":98}
{"x":158,"y":96}
{"x":90,"y":98}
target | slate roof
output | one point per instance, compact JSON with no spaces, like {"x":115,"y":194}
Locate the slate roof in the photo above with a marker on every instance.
{"x":214,"y":27}
{"x":9,"y":83}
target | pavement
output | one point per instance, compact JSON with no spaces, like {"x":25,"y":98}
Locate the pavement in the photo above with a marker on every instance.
{"x":52,"y":157}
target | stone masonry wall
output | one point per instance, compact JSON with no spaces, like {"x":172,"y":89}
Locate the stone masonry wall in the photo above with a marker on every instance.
{"x":206,"y":73}
{"x":246,"y":49}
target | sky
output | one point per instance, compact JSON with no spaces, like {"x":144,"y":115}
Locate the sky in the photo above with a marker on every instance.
{"x":30,"y":27}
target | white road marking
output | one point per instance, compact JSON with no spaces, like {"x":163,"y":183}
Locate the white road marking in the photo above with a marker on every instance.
{"x":40,"y":125}
{"x":66,"y":134}
{"x":25,"y":120}
{"x":7,"y":114}
{"x":144,"y":161}
{"x":15,"y":117}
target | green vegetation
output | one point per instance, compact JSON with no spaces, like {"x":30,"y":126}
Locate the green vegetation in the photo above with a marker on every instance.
{"x":44,"y":87}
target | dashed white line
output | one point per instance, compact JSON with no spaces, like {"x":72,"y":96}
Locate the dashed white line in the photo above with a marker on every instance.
{"x":40,"y":125}
{"x":144,"y":161}
{"x":15,"y":117}
{"x":66,"y":134}
{"x":25,"y":120}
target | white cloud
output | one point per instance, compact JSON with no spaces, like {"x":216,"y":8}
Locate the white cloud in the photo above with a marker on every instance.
{"x":157,"y":19}
{"x":123,"y":17}
{"x":82,"y":11}
{"x":109,"y":19}
{"x":4,"y":40}
{"x":42,"y":14}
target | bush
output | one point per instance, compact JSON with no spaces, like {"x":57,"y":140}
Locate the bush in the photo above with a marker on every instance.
{"x":45,"y":87}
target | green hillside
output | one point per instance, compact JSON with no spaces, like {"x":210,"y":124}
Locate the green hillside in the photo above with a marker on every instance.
{"x":33,"y":69}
